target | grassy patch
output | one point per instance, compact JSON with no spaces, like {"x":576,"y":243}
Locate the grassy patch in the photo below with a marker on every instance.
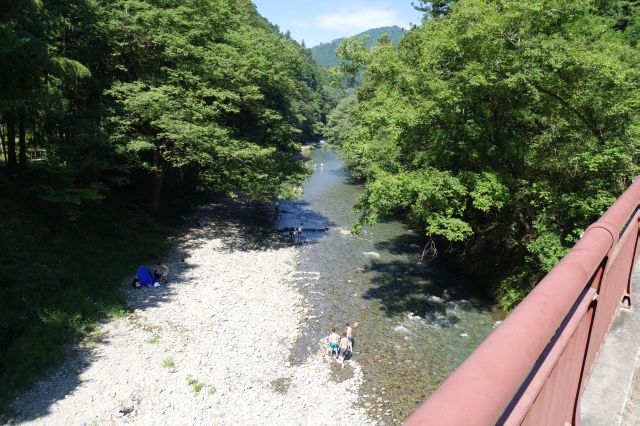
{"x":93,"y":338}
{"x":154,"y":340}
{"x":60,"y":276}
{"x":196,"y":386}
{"x":168,"y":362}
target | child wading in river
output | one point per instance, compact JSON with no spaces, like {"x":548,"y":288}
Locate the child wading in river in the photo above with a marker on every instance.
{"x":344,"y":350}
{"x":350,"y":335}
{"x":333,"y":342}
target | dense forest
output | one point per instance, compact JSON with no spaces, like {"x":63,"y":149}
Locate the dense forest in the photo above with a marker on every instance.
{"x":208,"y":90}
{"x":325,"y":53}
{"x":110,"y":109}
{"x":500,"y":128}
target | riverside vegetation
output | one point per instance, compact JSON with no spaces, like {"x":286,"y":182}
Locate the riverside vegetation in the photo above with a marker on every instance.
{"x":325,"y":53}
{"x":501,"y":129}
{"x":109,"y":109}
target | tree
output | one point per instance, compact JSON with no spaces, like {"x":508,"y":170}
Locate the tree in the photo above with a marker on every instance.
{"x":24,"y":56}
{"x":129,"y":100}
{"x":501,"y":129}
{"x":32,"y":72}
{"x":433,"y":9}
{"x":228,"y":99}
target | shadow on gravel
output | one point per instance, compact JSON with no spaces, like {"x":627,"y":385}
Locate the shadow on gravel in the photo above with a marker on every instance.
{"x":249,"y":226}
{"x":239,"y":226}
{"x":60,"y":382}
{"x":56,"y":385}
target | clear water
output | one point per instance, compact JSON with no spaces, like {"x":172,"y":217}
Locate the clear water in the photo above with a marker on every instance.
{"x":405,"y":344}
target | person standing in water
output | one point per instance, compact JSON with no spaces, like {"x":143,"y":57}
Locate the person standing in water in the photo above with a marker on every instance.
{"x":333,"y":342}
{"x":300,"y":233}
{"x":350,"y":335}
{"x":344,"y":349}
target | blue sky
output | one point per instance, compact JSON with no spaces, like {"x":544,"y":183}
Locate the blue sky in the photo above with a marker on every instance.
{"x":320,"y":21}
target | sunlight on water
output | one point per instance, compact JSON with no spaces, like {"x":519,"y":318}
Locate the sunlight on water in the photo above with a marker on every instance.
{"x":416,"y":324}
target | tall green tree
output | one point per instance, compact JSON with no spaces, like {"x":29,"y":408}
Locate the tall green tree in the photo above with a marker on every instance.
{"x":122,"y":101}
{"x":433,"y":9}
{"x":23,"y":55}
{"x":210,"y":86}
{"x":502,"y":130}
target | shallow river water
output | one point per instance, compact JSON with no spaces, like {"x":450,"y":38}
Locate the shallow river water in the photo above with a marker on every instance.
{"x":415,"y":323}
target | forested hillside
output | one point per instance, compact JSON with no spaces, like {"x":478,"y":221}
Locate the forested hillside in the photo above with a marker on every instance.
{"x":325,"y":53}
{"x":206,"y":90}
{"x":112,"y":108}
{"x":500,"y":128}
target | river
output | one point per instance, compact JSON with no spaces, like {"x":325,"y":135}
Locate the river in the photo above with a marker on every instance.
{"x":415,"y":322}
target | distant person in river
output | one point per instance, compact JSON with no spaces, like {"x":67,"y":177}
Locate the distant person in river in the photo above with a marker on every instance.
{"x":333,"y":342}
{"x":300,"y":234}
{"x":344,"y":350}
{"x":161,"y":272}
{"x":291,"y":234}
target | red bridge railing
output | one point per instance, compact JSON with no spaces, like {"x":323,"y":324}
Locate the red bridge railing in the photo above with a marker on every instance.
{"x":534,"y":367}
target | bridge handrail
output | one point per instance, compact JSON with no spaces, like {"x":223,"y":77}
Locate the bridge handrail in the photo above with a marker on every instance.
{"x":488,"y":387}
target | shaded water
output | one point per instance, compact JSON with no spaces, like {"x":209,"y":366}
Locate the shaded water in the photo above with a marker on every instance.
{"x":406,"y":344}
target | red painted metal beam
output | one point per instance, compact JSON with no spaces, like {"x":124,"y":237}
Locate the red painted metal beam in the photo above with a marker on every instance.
{"x":547,"y":337}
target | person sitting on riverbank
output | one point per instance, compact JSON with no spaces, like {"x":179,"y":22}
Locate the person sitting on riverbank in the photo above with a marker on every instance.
{"x":344,"y":350}
{"x":333,"y":342}
{"x":144,"y":278}
{"x":161,"y":273}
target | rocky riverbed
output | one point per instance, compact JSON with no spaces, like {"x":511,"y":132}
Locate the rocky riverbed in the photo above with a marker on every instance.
{"x":211,"y":347}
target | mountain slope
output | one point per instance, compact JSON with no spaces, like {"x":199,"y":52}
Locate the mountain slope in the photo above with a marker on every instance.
{"x":325,"y":53}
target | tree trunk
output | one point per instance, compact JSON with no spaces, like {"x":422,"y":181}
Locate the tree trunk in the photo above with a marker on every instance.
{"x":4,"y":146}
{"x":158,"y":177}
{"x":34,"y":142}
{"x":11,"y":141}
{"x":22,"y":144}
{"x":157,"y":192}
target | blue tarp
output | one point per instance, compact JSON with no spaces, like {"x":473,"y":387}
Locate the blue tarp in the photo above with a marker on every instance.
{"x":144,"y":275}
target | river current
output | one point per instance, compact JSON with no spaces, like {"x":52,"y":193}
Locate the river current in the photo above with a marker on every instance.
{"x":414,"y":322}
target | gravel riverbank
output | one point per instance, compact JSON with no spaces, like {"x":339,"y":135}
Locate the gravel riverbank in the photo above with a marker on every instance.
{"x":212,"y":347}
